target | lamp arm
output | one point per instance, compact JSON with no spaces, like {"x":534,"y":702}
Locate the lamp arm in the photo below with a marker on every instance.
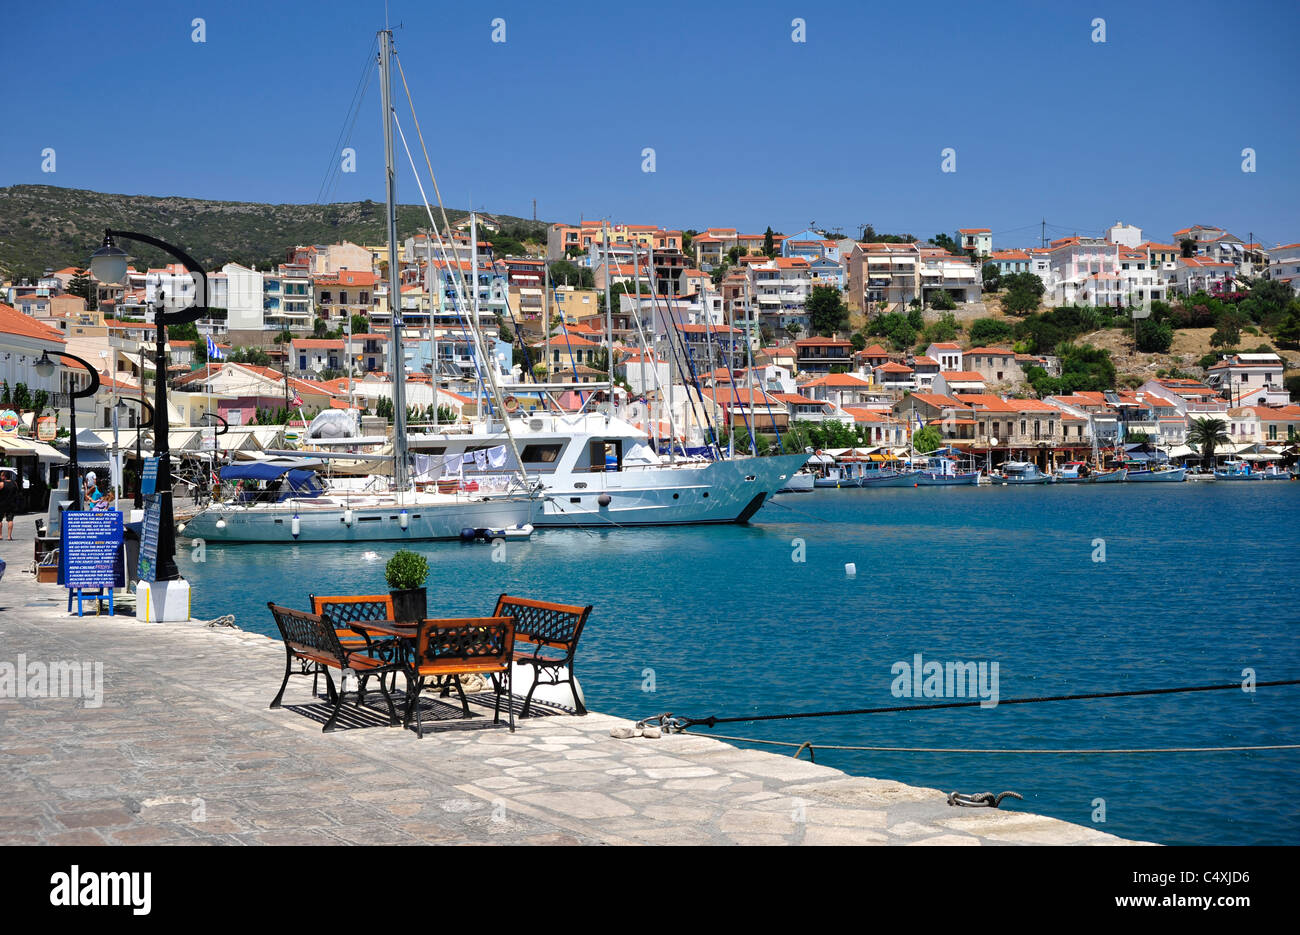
{"x":90,"y":390}
{"x":149,"y":412}
{"x":194,"y":312}
{"x":225,"y":426}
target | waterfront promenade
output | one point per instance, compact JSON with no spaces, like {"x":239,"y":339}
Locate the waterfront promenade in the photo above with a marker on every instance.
{"x":183,"y":750}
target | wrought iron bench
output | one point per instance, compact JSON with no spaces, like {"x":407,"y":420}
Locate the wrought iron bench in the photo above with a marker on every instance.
{"x":343,"y":609}
{"x":549,"y":633}
{"x":465,"y":646}
{"x":308,"y":638}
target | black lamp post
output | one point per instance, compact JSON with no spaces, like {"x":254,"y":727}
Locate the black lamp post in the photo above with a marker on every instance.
{"x":45,"y":368}
{"x":108,"y":263}
{"x":146,"y":424}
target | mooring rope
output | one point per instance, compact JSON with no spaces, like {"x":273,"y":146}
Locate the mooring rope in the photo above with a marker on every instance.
{"x":1013,"y":751}
{"x":678,"y":723}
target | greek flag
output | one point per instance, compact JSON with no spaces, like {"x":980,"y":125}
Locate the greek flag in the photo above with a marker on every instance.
{"x":214,"y":352}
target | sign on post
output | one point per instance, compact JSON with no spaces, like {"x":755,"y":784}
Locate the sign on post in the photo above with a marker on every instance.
{"x":146,"y":565}
{"x":90,"y":551}
{"x":149,"y":477}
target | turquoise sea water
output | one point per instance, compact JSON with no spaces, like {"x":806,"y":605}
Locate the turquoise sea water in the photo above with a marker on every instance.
{"x":1199,"y":582}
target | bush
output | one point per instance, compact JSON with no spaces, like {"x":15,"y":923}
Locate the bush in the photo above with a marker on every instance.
{"x":1208,"y":361}
{"x":985,"y":331}
{"x":1154,"y":337}
{"x":406,"y":570}
{"x":943,"y":301}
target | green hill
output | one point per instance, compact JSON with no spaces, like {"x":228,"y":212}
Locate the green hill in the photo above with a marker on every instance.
{"x":42,"y":226}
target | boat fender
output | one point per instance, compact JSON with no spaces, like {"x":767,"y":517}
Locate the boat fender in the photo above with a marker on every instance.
{"x":403,"y":519}
{"x":347,"y":517}
{"x":295,"y":526}
{"x":604,"y":499}
{"x":467,"y":534}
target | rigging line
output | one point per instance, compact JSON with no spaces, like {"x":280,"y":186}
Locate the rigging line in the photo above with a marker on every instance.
{"x":433,"y":179}
{"x":358,"y":98}
{"x":710,"y":721}
{"x":1009,"y":752}
{"x":820,"y":519}
{"x":480,"y":352}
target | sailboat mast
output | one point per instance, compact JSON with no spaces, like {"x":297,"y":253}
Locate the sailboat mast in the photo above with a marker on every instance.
{"x":609,"y":326}
{"x":398,"y":368}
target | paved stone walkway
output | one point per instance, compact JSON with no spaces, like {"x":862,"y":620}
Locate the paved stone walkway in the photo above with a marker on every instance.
{"x":183,"y":750}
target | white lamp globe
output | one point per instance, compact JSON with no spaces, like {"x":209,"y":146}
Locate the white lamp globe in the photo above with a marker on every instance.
{"x":108,"y":263}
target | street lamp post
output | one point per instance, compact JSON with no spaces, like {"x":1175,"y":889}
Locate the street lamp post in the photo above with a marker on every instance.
{"x":140,"y":427}
{"x":45,"y":368}
{"x":108,"y":263}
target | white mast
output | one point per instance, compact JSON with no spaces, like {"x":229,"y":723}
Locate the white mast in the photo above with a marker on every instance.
{"x":400,"y":467}
{"x":433,"y":335}
{"x":609,"y":327}
{"x":636,"y":280}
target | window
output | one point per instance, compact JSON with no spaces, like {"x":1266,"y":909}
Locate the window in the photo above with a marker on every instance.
{"x":1023,"y":426}
{"x":540,"y":454}
{"x":343,"y":298}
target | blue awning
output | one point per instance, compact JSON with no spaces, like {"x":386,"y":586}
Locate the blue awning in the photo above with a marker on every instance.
{"x":262,"y":470}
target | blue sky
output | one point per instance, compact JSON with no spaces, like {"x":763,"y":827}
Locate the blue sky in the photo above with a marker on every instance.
{"x":749,"y":127}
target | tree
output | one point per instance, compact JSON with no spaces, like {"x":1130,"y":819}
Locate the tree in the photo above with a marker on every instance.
{"x":991,"y":274}
{"x":360,"y":324}
{"x":1287,"y":333}
{"x":948,"y":243}
{"x":793,"y":329}
{"x":927,"y":439}
{"x":319,"y":328}
{"x":564,"y":273}
{"x":1028,"y":282}
{"x":985,"y":331}
{"x":942,"y":300}
{"x":1228,"y":331}
{"x":1154,"y":337}
{"x":1205,"y":435}
{"x":945,"y":329}
{"x":826,"y":310}
{"x":769,"y":243}
{"x":858,"y":340}
{"x":81,"y":285}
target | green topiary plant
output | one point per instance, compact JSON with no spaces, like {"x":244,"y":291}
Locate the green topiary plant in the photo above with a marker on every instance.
{"x":406,"y":571}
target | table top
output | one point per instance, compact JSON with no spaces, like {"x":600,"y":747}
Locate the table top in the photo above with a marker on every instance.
{"x":395,"y":628}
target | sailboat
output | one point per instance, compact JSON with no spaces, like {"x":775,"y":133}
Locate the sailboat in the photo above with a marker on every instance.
{"x":297,"y":507}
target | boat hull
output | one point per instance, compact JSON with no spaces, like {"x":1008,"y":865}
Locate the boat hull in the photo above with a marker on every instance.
{"x":798,"y":483}
{"x":1175,"y":476}
{"x":378,"y":523}
{"x":709,"y":492}
{"x":1110,"y":477}
{"x":901,"y":479}
{"x":927,"y":479}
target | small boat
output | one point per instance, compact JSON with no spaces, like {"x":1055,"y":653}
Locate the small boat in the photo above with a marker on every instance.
{"x":799,"y":482}
{"x":837,"y":477}
{"x":1197,"y":474}
{"x":1163,"y":476}
{"x":1237,"y":470}
{"x":1110,"y":477}
{"x":1075,"y":472}
{"x":889,"y":477}
{"x":1021,"y":472}
{"x":939,"y":479}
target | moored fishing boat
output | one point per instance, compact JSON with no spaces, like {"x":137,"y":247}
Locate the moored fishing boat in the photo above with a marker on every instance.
{"x":799,"y":482}
{"x":890,"y":477}
{"x":1020,"y":472}
{"x":1110,"y":477}
{"x":1074,"y":472}
{"x":1156,"y":476}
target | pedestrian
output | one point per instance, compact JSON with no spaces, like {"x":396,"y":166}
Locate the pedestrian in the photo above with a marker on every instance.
{"x":92,"y":495}
{"x":9,"y":493}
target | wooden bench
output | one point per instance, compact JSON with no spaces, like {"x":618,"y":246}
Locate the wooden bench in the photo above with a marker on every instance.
{"x":309,"y":638}
{"x":549,"y":633}
{"x":344,"y":609}
{"x":464,"y":646}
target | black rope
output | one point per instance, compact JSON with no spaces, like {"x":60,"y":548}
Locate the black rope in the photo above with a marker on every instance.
{"x":711,"y":720}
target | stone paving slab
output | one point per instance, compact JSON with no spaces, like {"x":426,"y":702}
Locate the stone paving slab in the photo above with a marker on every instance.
{"x":183,"y":750}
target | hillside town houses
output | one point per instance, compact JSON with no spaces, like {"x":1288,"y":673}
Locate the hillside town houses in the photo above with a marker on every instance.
{"x":720,"y":316}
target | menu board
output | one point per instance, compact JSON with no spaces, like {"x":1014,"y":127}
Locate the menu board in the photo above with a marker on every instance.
{"x":90,"y":550}
{"x":146,"y":566}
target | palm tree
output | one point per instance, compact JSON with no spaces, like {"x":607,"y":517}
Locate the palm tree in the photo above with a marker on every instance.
{"x":1207,"y":434}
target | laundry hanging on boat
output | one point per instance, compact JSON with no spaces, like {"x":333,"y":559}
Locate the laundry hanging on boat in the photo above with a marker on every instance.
{"x":497,"y":456}
{"x":481,"y":460}
{"x":451,"y":465}
{"x":423,"y":465}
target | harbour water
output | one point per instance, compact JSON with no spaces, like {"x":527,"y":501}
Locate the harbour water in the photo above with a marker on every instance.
{"x":1070,"y":589}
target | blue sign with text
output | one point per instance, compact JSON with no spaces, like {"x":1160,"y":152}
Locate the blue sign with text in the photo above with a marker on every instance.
{"x":90,"y":549}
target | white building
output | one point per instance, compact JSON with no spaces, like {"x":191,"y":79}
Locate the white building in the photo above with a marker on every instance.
{"x":1124,"y":234}
{"x":1284,"y":265}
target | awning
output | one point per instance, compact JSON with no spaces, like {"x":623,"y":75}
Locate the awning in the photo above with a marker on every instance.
{"x":30,"y":447}
{"x":264,"y":470}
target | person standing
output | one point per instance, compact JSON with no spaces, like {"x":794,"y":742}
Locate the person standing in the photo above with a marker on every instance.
{"x":9,"y":494}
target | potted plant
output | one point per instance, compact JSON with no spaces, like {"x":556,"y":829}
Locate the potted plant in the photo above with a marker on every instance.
{"x":406,"y":573}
